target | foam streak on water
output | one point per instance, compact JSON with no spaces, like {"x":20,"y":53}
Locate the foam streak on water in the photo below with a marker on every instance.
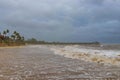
{"x":94,"y":55}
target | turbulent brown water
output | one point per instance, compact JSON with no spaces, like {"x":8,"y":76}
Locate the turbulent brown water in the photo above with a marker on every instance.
{"x":105,"y":54}
{"x":38,"y":62}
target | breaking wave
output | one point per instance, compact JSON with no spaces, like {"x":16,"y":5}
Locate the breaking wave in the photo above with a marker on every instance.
{"x":94,"y":55}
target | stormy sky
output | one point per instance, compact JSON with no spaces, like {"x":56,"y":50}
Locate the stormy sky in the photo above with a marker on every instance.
{"x":63,"y":20}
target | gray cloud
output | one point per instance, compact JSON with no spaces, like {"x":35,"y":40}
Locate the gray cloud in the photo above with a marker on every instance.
{"x":63,"y":20}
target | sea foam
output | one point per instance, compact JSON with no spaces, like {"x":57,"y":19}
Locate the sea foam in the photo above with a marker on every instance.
{"x":89,"y":54}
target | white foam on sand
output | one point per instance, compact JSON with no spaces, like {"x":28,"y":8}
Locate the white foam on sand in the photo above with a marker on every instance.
{"x":34,"y":46}
{"x":94,"y":55}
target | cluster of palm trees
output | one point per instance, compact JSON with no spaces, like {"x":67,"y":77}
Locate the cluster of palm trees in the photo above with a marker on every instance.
{"x":5,"y":37}
{"x":17,"y":37}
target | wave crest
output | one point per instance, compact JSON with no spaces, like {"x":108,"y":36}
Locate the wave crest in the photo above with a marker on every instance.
{"x":94,"y":55}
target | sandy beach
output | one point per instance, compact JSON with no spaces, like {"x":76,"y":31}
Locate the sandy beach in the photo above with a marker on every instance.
{"x":39,"y":62}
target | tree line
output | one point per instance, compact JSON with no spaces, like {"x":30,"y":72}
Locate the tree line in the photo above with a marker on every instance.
{"x":9,"y":39}
{"x":35,"y":41}
{"x":17,"y":39}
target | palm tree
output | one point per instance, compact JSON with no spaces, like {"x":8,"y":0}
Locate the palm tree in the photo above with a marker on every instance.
{"x":0,"y":38}
{"x":7,"y":31}
{"x":13,"y":37}
{"x":23,"y":38}
{"x":14,"y":32}
{"x":4,"y":33}
{"x":17,"y":38}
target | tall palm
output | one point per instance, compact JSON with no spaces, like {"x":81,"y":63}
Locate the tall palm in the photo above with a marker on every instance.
{"x":7,"y":37}
{"x":13,"y":37}
{"x":0,"y":37}
{"x":17,"y":36}
{"x":7,"y":31}
{"x":14,"y":32}
{"x":23,"y":38}
{"x":4,"y":33}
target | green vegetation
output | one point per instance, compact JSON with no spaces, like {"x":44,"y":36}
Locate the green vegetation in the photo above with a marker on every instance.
{"x":14,"y":39}
{"x":35,"y":41}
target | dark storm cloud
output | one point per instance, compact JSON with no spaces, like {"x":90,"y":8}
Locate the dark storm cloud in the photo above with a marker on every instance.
{"x":63,"y":20}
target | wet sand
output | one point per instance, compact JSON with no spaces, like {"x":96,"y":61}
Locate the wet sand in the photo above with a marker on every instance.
{"x":40,"y":63}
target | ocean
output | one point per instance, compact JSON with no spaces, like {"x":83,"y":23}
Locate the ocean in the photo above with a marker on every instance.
{"x":102,"y":54}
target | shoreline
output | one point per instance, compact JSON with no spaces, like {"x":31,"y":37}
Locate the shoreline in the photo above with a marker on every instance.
{"x":3,"y":47}
{"x":34,"y":62}
{"x":85,"y":53}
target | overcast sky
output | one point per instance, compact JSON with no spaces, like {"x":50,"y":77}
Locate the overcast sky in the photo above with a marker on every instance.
{"x":63,"y":20}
